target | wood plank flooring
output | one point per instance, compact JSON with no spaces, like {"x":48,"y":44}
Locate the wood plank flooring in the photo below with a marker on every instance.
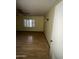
{"x":31,"y":45}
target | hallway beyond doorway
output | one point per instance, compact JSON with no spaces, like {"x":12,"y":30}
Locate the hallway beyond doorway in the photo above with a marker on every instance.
{"x":31,"y":45}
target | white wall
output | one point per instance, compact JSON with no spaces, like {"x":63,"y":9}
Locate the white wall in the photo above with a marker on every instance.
{"x":53,"y":31}
{"x":57,"y":34}
{"x":48,"y":25}
{"x":39,"y":21}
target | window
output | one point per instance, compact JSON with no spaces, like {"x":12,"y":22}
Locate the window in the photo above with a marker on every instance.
{"x":29,"y":23}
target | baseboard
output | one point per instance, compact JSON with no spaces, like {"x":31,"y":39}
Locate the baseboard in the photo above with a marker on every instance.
{"x":46,"y":40}
{"x":29,"y":31}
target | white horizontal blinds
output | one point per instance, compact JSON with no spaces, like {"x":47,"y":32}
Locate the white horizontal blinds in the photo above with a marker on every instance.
{"x":29,"y":23}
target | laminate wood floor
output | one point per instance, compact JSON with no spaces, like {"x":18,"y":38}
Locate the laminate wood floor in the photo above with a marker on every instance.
{"x":31,"y":45}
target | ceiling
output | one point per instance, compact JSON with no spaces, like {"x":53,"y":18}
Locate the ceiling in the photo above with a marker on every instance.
{"x":34,"y":7}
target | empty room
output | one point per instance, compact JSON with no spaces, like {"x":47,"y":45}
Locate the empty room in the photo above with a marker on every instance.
{"x":39,"y":30}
